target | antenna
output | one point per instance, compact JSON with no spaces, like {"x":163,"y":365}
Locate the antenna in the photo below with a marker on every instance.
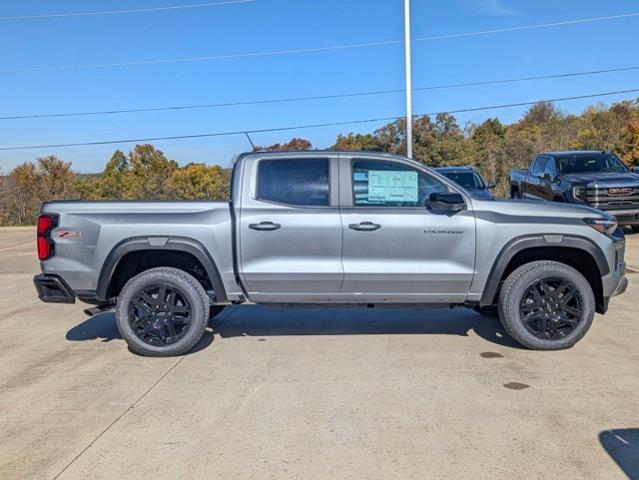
{"x":250,"y":141}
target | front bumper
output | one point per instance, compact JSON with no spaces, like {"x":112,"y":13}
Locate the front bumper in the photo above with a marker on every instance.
{"x":625,"y":217}
{"x":621,"y":288}
{"x":52,"y":289}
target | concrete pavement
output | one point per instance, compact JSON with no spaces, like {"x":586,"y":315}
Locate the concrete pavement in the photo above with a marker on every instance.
{"x":311,"y":394}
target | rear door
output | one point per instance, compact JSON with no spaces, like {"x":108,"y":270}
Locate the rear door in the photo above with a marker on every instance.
{"x":395,"y":249}
{"x":290,"y":231}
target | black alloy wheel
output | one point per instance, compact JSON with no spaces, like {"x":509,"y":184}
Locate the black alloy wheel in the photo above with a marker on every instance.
{"x":160,"y":314}
{"x":551,"y":308}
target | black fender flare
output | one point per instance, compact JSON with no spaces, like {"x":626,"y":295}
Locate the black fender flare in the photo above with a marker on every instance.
{"x":525,"y":242}
{"x":157,"y":242}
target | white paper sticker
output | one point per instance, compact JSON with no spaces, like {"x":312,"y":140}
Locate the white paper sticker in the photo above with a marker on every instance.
{"x":392,"y":186}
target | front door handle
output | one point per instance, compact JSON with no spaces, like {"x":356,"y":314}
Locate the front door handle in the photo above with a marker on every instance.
{"x":264,"y":226}
{"x":365,"y":226}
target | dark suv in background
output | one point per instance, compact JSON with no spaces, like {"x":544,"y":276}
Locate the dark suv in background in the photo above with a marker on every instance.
{"x":594,"y":178}
{"x":469,"y":179}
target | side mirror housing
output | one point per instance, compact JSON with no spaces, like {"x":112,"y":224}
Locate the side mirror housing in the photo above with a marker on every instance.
{"x":445,"y":202}
{"x":491,"y":184}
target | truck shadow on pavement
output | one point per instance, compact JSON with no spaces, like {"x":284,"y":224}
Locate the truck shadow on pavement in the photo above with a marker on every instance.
{"x":102,"y":326}
{"x":623,"y":447}
{"x":256,"y":321}
{"x":262,"y":321}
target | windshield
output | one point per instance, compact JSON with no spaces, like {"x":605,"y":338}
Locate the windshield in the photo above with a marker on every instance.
{"x":469,"y":180}
{"x":591,"y":163}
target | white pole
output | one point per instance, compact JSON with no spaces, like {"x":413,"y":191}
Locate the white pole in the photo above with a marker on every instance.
{"x":409,"y":88}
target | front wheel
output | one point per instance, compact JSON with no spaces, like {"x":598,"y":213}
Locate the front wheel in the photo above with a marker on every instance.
{"x":546,"y":305}
{"x":162,"y":312}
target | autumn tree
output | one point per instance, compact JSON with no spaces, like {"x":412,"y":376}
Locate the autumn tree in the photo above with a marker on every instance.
{"x":293,"y":145}
{"x":30,"y":184}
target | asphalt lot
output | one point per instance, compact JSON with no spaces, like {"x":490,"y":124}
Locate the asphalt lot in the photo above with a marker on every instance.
{"x":311,"y":394}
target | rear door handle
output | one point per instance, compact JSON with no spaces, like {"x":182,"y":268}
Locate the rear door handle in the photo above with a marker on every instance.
{"x":365,"y":226}
{"x":264,"y":226}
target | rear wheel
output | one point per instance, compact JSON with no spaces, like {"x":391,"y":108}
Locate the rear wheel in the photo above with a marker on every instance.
{"x":546,"y":305}
{"x":635,"y":228}
{"x":162,"y":312}
{"x":514,"y":193}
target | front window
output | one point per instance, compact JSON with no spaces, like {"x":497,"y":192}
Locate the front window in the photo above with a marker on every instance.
{"x":591,"y":163}
{"x":389,"y":184}
{"x":538,"y":166}
{"x":468,"y":180}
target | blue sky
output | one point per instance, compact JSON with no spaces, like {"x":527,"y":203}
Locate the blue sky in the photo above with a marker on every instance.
{"x":267,"y":25}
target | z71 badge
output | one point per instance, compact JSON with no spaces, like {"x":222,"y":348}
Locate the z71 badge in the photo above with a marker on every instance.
{"x":69,"y":234}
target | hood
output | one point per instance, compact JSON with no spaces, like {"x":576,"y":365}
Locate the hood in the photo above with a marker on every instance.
{"x":604,"y":179}
{"x":538,"y":209}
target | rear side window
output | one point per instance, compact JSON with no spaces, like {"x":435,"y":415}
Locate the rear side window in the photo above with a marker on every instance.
{"x":303,"y":182}
{"x":387,"y":184}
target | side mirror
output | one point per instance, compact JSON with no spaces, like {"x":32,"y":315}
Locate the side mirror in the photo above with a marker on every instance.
{"x":491,"y":184}
{"x":445,"y":202}
{"x":547,"y":177}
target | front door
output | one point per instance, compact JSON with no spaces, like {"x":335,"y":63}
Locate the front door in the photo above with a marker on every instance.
{"x":395,"y":249}
{"x":290,"y":231}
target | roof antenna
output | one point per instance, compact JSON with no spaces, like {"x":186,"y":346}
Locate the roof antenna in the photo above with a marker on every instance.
{"x":250,"y":141}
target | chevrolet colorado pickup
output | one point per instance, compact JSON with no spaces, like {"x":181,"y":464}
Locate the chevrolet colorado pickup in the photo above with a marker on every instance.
{"x":594,"y":178}
{"x":331,"y":229}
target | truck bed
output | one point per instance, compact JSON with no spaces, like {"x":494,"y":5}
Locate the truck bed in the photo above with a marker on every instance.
{"x":88,"y":232}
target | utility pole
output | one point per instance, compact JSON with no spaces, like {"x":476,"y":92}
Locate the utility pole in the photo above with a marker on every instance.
{"x":409,"y":88}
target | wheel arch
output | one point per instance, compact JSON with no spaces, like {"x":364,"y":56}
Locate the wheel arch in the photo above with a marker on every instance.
{"x":578,"y":252}
{"x":173,"y":247}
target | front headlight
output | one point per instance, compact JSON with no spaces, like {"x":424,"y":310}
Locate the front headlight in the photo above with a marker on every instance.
{"x":607,"y":226}
{"x":579,"y":193}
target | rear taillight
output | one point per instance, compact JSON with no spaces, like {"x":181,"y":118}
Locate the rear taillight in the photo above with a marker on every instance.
{"x":46,"y":223}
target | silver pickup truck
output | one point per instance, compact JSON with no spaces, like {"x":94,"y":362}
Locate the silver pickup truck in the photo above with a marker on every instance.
{"x":332,"y":229}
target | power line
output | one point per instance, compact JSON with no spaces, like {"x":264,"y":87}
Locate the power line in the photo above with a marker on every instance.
{"x":529,"y":27}
{"x":118,"y":12}
{"x":316,"y":49}
{"x":315,"y":97}
{"x":308,"y":126}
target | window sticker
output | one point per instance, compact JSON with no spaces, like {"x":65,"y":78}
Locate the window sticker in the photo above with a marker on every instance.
{"x":360,"y":176}
{"x":392,"y":186}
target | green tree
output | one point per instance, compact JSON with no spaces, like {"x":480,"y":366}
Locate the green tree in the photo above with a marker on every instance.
{"x":197,"y":181}
{"x":148,"y":174}
{"x":113,"y":181}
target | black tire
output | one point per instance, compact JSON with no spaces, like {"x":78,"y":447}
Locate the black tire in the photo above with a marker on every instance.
{"x":490,"y":312}
{"x":167,"y":325}
{"x":635,"y":228}
{"x":515,"y":195}
{"x":535,"y":312}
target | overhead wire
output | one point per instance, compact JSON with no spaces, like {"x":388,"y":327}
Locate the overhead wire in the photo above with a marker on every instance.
{"x":119,"y":12}
{"x":316,"y":49}
{"x":309,"y":126}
